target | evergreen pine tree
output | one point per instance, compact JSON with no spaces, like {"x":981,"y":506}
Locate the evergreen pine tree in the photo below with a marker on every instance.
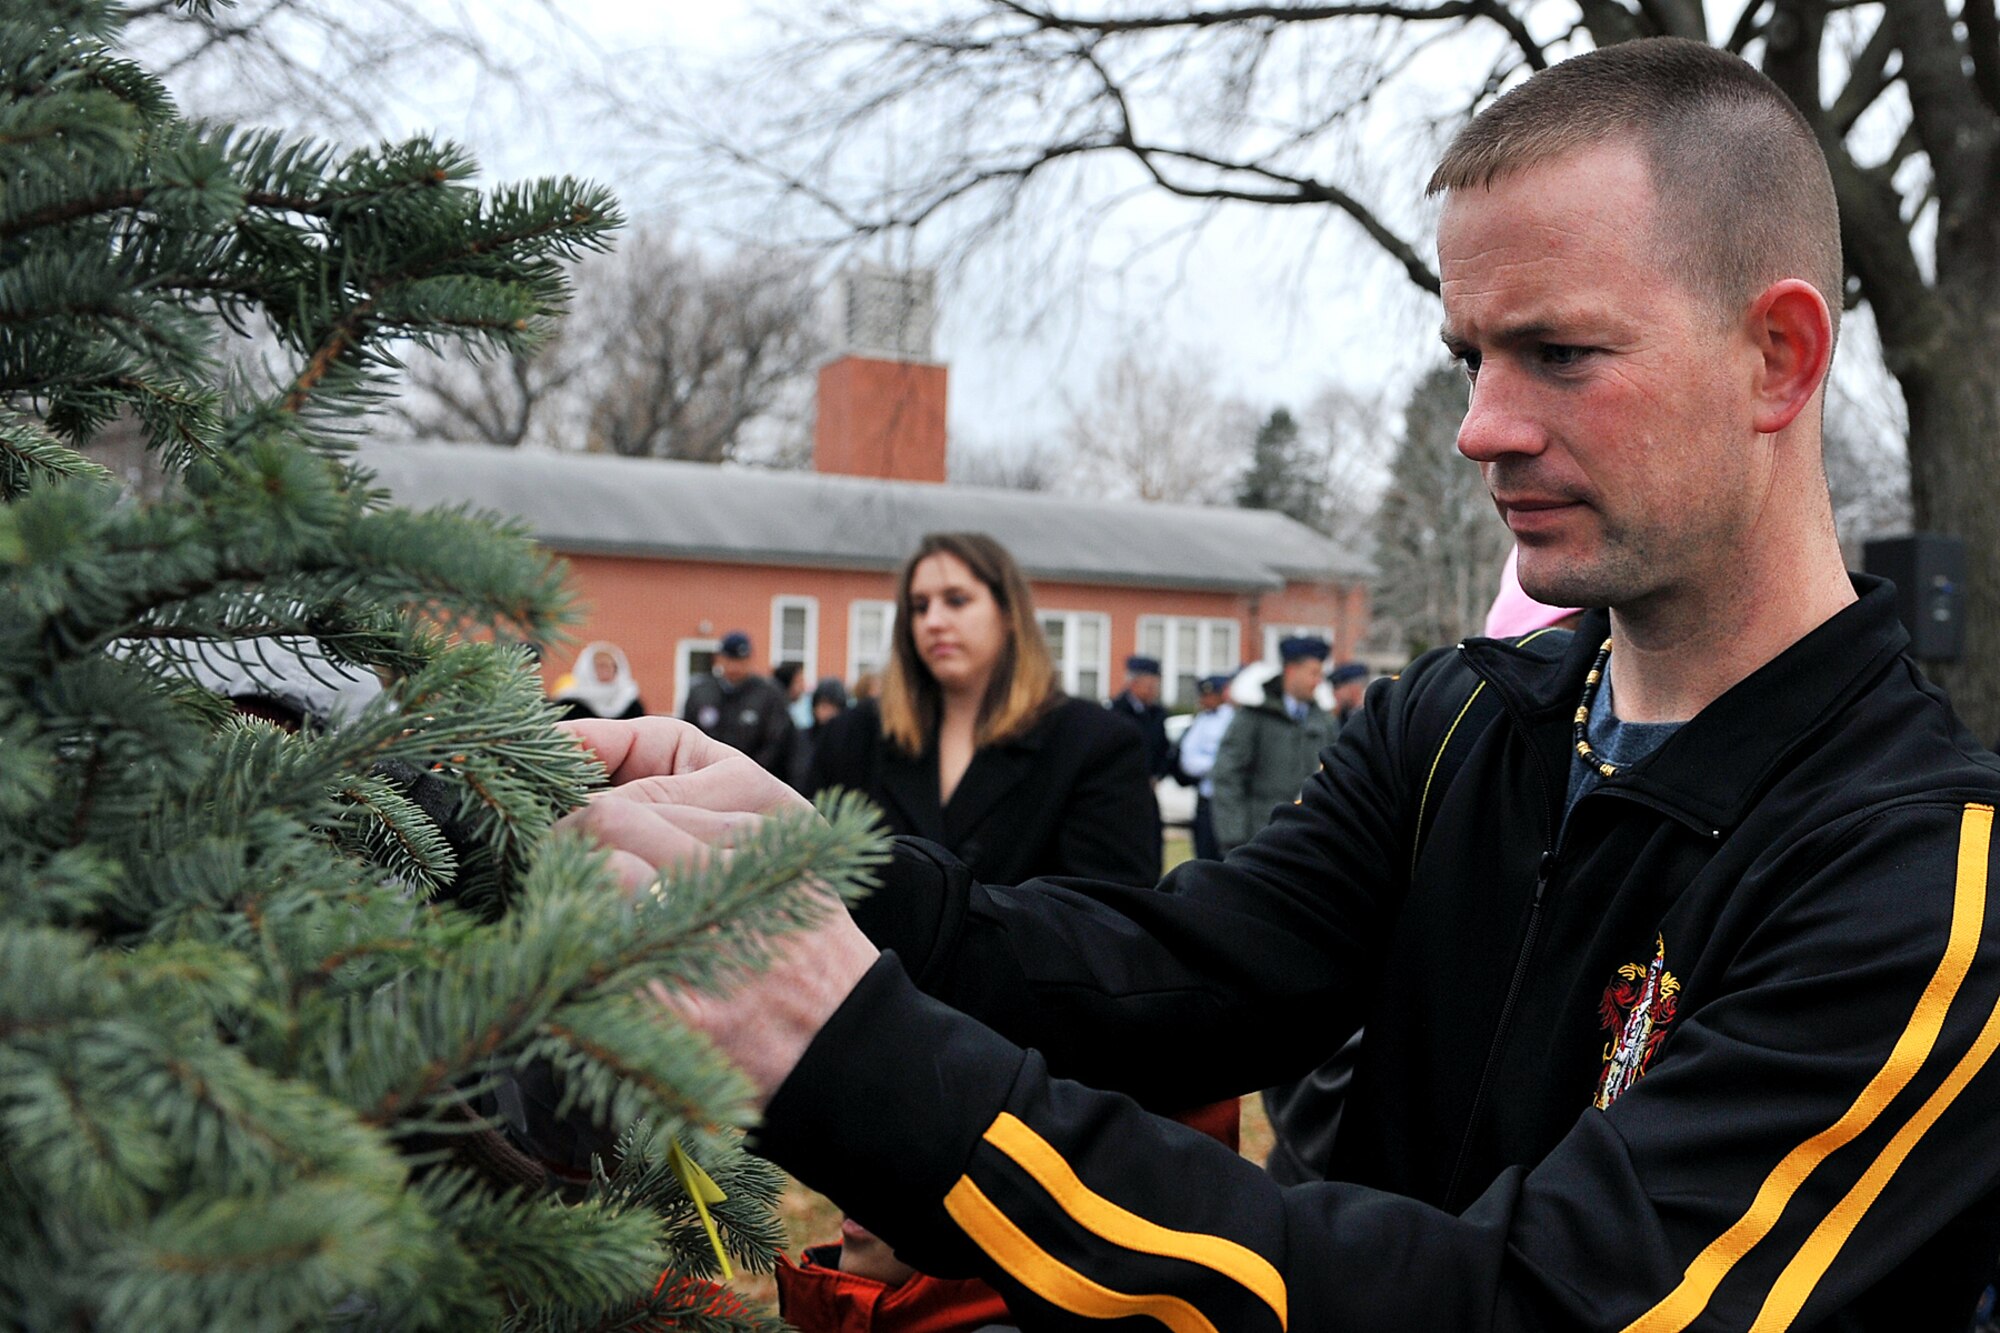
{"x":1279,"y":476}
{"x":289,"y":1021}
{"x":1438,"y":544}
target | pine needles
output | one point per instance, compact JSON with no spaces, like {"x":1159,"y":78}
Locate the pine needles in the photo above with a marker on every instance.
{"x":315,"y":1026}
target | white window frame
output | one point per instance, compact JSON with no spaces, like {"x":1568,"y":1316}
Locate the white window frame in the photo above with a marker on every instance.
{"x":1067,"y":668}
{"x":809,"y":658}
{"x":684,"y":676}
{"x":1172,"y":668}
{"x":887,"y":647}
{"x":1274,"y":633}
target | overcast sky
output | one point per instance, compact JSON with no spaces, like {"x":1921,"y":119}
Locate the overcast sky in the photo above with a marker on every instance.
{"x":1276,"y":302}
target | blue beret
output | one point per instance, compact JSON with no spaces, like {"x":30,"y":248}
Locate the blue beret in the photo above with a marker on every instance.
{"x":1304,"y":645}
{"x":1143,"y":666}
{"x":1347,"y":671}
{"x":1212,"y":684}
{"x":735,"y":644}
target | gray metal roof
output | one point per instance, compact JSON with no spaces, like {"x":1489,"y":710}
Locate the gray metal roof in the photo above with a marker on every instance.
{"x":650,"y":507}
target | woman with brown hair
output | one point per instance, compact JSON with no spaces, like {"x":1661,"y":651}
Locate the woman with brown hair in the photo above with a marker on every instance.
{"x":973,"y":744}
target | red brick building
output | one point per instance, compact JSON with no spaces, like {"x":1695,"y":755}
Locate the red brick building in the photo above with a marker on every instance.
{"x":668,"y":557}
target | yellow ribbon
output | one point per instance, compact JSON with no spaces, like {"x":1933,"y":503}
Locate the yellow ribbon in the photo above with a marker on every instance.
{"x":701,"y":1187}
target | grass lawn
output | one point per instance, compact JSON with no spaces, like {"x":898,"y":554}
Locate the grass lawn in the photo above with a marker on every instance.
{"x":811,"y":1219}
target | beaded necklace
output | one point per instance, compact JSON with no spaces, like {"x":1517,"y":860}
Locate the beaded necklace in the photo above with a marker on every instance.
{"x":1604,"y":767}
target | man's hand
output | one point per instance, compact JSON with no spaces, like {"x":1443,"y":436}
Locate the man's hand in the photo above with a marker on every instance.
{"x":678,"y":798}
{"x":667,"y":760}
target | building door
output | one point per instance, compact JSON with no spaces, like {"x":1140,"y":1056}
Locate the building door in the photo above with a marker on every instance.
{"x":693,"y":659}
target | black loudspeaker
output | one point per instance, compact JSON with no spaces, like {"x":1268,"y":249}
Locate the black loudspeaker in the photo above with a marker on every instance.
{"x":1928,"y":570}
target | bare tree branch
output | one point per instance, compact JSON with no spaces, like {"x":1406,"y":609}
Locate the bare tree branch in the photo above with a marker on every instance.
{"x":691,"y":350}
{"x":1957,"y":128}
{"x":1676,"y":18}
{"x":1156,"y":429}
{"x":1867,"y":79}
{"x":1982,"y":40}
{"x":1609,"y":22}
{"x":1791,"y":57}
{"x":1874,"y":238}
{"x":1297,"y":190}
{"x":340,"y":68}
{"x":1490,"y":10}
{"x":1749,"y":27}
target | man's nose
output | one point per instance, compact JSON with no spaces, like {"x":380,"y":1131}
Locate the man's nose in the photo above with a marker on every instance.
{"x":1499,"y":418}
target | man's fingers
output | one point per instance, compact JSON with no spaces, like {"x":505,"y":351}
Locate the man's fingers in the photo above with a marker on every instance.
{"x":634,"y":874}
{"x":736,"y":785}
{"x":647,"y":746}
{"x":716,"y":828}
{"x":639,"y":829}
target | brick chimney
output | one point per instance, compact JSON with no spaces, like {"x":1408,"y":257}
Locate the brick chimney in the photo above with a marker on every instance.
{"x":882,"y":402}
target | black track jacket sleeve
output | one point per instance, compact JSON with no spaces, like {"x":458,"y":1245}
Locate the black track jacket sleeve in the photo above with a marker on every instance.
{"x":1818,"y":1121}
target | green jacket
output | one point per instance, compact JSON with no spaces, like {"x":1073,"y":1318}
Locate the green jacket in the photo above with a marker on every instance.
{"x":1265,"y":758}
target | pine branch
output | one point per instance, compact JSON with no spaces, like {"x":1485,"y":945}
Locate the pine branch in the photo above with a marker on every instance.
{"x":29,"y":454}
{"x":241,"y":968}
{"x":395,"y":833}
{"x":641,"y":1177}
{"x":587,"y":1256}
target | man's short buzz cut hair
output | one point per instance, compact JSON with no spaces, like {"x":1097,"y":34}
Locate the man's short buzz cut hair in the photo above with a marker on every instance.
{"x":1743,"y":190}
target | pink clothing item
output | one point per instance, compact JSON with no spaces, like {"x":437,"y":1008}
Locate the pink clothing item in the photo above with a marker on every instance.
{"x":1514,"y":612}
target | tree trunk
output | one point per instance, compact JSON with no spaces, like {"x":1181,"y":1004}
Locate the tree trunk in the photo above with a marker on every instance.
{"x":1953,"y":399}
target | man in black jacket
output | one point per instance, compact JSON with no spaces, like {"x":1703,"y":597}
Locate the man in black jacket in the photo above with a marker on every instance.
{"x":743,"y":710}
{"x":1139,"y":704}
{"x":1670,"y":936}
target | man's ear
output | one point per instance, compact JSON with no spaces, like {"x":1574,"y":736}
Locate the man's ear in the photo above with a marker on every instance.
{"x":1793,"y":335}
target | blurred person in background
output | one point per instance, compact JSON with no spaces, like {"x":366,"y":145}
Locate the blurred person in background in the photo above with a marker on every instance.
{"x":1272,"y":747}
{"x":1194,"y":759}
{"x":744,"y":710}
{"x":791,"y":678}
{"x":973,"y":743}
{"x":1350,"y":682}
{"x":1139,"y":704}
{"x":600,"y":685}
{"x":827,"y":701}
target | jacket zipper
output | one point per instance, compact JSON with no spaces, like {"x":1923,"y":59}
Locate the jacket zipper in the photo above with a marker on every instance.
{"x":1514,"y":985}
{"x":1543,"y":868}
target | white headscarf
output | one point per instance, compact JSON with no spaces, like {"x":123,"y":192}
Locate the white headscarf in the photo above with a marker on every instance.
{"x":606,"y":698}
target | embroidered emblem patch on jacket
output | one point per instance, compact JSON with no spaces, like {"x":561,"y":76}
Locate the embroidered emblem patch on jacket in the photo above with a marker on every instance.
{"x":1639,"y":1005}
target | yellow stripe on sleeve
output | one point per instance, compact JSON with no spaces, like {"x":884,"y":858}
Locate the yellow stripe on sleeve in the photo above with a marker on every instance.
{"x":1097,"y":1214}
{"x":1051,"y":1279}
{"x":1788,"y":1297}
{"x":1686,"y":1302}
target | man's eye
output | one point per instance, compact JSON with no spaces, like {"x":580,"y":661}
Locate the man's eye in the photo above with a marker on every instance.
{"x":1468,"y":361}
{"x":1563,"y":355}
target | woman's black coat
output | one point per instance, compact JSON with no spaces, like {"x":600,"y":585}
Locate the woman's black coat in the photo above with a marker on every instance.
{"x":1068,"y":798}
